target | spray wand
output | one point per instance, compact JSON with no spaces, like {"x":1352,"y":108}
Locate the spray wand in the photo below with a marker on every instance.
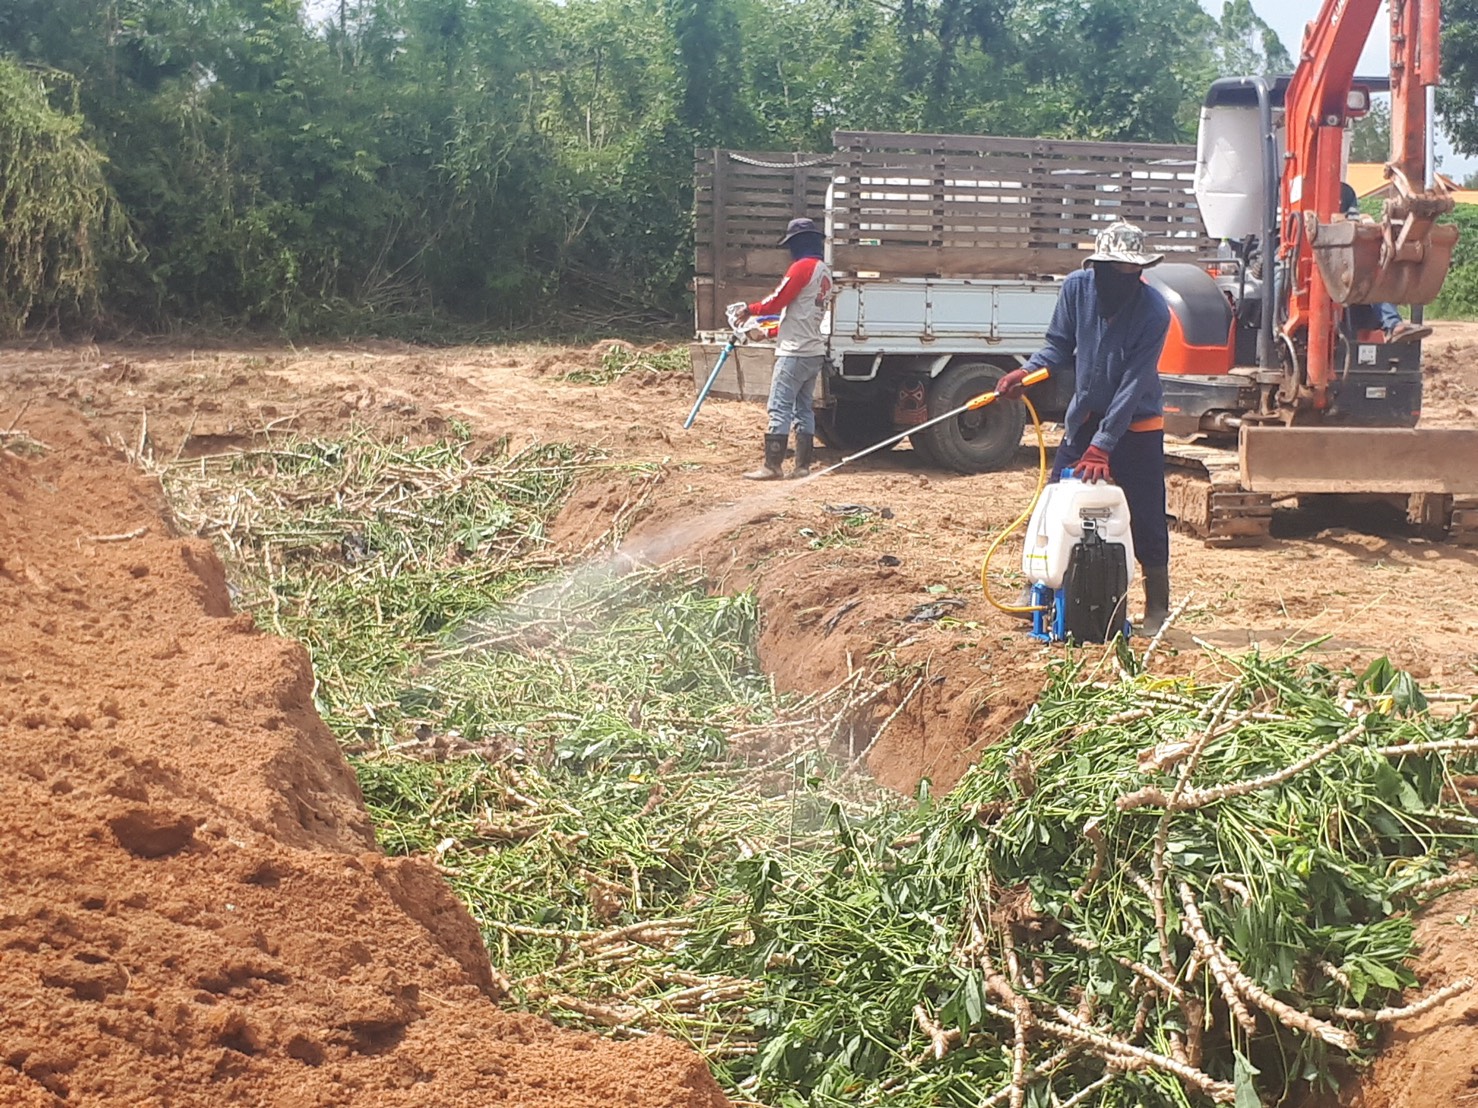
{"x":739,"y":332}
{"x":973,"y":404}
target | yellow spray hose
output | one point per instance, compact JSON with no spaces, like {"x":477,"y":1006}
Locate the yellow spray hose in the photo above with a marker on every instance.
{"x":1032,"y":379}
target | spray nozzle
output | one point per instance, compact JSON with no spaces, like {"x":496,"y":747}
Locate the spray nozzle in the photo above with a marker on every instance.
{"x":1035,"y":377}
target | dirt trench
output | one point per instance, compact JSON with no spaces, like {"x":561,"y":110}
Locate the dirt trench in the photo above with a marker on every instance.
{"x":192,"y":907}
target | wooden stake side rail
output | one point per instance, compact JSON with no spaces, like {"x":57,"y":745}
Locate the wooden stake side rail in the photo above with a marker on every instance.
{"x":977,"y":206}
{"x":742,"y":201}
{"x":886,"y":142}
{"x":948,"y":206}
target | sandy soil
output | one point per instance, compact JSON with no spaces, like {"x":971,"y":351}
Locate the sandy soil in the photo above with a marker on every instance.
{"x":895,"y":585}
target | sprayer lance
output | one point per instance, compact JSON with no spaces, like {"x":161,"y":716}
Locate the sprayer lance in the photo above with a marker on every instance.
{"x":975,"y":403}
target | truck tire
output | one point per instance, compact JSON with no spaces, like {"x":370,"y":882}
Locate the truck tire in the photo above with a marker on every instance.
{"x":919,"y":440}
{"x":853,"y":424}
{"x":972,"y":442}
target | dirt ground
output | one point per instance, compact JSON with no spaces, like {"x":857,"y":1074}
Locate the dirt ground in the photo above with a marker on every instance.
{"x":835,"y":587}
{"x":878,"y":564}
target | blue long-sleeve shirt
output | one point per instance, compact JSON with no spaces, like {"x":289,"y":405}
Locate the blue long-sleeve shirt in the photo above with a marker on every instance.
{"x":1116,"y":359}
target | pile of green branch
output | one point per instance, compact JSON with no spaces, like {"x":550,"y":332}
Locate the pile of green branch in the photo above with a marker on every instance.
{"x":591,"y":757}
{"x":1151,"y":893}
{"x":370,"y":552}
{"x":621,"y":359}
{"x":1162,"y":892}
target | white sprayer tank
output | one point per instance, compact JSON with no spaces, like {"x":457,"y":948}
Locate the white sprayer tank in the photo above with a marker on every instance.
{"x":1057,"y":525}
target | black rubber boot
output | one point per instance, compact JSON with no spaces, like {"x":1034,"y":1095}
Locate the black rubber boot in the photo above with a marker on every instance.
{"x":1156,"y":600}
{"x":805,"y":449}
{"x":774,"y":458}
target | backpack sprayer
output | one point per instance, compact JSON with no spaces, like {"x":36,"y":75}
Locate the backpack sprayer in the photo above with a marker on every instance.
{"x":1079,"y":555}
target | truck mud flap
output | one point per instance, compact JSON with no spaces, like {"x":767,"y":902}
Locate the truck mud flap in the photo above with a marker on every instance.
{"x":745,"y":375}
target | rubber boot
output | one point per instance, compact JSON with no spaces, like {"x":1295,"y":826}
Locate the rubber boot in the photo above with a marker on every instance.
{"x":774,"y":458}
{"x":805,"y":448}
{"x":1156,"y":600}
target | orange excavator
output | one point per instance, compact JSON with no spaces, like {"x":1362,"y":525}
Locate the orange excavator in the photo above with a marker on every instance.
{"x":1274,"y":343}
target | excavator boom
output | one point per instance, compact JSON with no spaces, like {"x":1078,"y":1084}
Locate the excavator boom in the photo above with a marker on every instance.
{"x":1405,"y":257}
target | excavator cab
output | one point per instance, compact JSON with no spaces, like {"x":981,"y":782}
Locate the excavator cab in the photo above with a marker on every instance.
{"x":1241,"y":147}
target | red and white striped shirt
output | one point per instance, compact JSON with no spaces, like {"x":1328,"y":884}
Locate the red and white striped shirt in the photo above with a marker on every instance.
{"x":802,"y":299}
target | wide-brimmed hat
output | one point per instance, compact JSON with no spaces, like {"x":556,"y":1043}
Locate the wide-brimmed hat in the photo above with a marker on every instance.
{"x":1122,"y":242}
{"x":800,"y":226}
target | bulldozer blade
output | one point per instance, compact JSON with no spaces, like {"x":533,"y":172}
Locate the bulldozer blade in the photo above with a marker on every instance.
{"x":1286,"y":461}
{"x":1349,"y":257}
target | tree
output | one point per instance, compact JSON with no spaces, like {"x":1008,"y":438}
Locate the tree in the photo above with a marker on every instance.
{"x":1370,"y":136}
{"x":1245,"y":46}
{"x":57,"y":217}
{"x":1457,"y":97}
{"x":402,"y":163}
{"x":1114,"y":69}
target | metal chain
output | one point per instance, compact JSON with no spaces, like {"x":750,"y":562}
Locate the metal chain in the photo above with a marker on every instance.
{"x":827,"y":160}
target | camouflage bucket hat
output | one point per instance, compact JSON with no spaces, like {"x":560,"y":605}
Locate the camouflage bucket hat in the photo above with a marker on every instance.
{"x":1122,"y":242}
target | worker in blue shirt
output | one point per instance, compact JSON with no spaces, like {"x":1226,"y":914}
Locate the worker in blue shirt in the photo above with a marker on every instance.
{"x":1110,"y":326}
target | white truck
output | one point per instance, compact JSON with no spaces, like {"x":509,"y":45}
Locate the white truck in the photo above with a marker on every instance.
{"x":947,"y":252}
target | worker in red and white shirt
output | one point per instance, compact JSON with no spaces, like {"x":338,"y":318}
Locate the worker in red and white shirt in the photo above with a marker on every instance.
{"x":800,"y":349}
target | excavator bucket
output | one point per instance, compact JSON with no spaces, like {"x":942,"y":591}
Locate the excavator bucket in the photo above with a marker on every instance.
{"x":1360,"y":264}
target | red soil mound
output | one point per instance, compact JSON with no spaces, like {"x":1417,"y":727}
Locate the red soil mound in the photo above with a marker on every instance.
{"x":1433,"y":1059}
{"x":194,"y":911}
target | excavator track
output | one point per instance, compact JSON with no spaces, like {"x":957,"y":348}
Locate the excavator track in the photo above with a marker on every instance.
{"x":1203,"y":497}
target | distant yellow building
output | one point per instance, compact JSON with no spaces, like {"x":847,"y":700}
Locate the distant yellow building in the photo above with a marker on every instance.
{"x":1369,"y":179}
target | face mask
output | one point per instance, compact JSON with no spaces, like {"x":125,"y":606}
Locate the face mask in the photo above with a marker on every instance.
{"x":1115,"y":289}
{"x":806,"y":246}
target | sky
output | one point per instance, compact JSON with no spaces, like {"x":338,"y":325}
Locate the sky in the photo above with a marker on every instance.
{"x":1288,"y":17}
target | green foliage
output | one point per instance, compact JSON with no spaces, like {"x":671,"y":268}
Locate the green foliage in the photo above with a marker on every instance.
{"x":620,"y":360}
{"x":1456,"y":99}
{"x":58,"y":219}
{"x":652,"y":840}
{"x":1370,"y":136}
{"x":426,"y":166}
{"x":1459,"y":296}
{"x":1246,"y":45}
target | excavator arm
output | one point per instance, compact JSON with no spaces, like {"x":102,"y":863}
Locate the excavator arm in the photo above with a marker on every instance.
{"x":1334,"y":262}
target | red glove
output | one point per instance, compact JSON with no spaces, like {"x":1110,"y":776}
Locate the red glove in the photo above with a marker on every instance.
{"x":1011,"y":385}
{"x":1094,"y":466}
